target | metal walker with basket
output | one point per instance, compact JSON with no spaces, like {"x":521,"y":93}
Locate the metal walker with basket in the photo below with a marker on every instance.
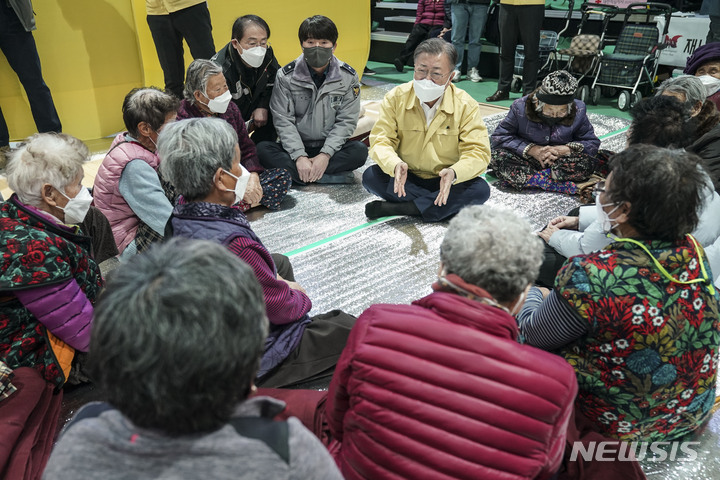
{"x":582,"y":58}
{"x":634,"y":62}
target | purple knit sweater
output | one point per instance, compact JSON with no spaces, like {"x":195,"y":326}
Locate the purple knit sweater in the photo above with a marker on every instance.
{"x":234,"y":118}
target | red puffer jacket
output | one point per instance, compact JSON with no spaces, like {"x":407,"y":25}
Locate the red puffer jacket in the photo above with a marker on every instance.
{"x":440,"y":389}
{"x":430,"y":12}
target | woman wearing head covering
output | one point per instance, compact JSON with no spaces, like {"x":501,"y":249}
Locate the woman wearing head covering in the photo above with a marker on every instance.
{"x":201,"y":157}
{"x":705,"y":64}
{"x":48,"y":284}
{"x":546,"y":140}
{"x":207,"y":95}
{"x":638,"y":320}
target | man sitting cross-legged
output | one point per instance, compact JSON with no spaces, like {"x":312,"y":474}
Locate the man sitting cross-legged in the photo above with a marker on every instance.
{"x":430,"y":143}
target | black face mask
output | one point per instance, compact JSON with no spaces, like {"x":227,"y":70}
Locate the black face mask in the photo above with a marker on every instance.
{"x":551,"y":121}
{"x":317,"y":57}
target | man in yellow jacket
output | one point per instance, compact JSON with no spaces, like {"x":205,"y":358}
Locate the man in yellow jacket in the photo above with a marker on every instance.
{"x":430,"y":143}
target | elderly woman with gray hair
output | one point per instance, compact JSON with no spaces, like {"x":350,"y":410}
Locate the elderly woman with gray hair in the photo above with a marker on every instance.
{"x":207,"y":95}
{"x":704,"y":121}
{"x":441,"y":388}
{"x":201,"y":157}
{"x":127,"y":188}
{"x":178,"y":336}
{"x":48,"y":284}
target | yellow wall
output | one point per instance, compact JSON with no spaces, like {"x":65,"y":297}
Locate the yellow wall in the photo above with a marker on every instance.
{"x":94,"y":51}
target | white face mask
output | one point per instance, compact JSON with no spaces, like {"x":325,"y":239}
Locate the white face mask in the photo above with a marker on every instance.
{"x":426,"y":90}
{"x":711,"y":83}
{"x":607,"y":223}
{"x":241,"y":184}
{"x":77,"y":207}
{"x":220,"y":103}
{"x":254,"y":56}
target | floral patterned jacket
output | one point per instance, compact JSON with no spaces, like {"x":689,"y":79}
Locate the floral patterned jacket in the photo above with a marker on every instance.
{"x":647,"y":369}
{"x":35,"y":252}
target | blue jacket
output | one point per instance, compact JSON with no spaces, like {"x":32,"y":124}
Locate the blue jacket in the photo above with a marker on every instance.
{"x":522,"y":127}
{"x":221,"y":224}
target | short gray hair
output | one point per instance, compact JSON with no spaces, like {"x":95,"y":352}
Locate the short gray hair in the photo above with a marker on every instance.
{"x":54,"y":158}
{"x":690,"y":86}
{"x":149,"y":105}
{"x":177,"y":336}
{"x":198,"y":74}
{"x":436,"y":46}
{"x":494,"y":249}
{"x":192,"y":150}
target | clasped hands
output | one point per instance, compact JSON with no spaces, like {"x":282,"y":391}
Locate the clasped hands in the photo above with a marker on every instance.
{"x":559,"y":223}
{"x":548,"y":154}
{"x":447,"y":177}
{"x":253,"y":192}
{"x":311,"y":169}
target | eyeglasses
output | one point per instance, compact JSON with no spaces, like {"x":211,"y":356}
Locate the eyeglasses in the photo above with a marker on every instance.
{"x":436,"y":77}
{"x":598,"y":189}
{"x":254,"y":44}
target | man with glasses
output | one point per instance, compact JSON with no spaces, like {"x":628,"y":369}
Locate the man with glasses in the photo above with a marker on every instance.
{"x":660,"y":121}
{"x":430,"y":143}
{"x":250,"y":67}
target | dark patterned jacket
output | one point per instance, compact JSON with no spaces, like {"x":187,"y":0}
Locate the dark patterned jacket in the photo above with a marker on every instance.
{"x":251,"y":88}
{"x":36,"y":253}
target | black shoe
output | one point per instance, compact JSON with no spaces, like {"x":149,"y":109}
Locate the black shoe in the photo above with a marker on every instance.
{"x":367,"y":71}
{"x":380,"y":208}
{"x":498,"y":96}
{"x":399,"y":65}
{"x":336,"y":178}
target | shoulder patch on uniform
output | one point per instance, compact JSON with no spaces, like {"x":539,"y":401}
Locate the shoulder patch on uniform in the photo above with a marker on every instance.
{"x":348,"y":68}
{"x":289,"y":67}
{"x":356,"y":90}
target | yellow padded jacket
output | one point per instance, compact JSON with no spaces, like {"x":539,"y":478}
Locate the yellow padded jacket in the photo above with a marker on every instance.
{"x":165,"y":7}
{"x":456,"y":137}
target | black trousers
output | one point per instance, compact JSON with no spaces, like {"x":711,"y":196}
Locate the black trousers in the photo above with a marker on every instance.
{"x":21,"y":53}
{"x":552,"y":262}
{"x":352,"y":155}
{"x":319,"y":350}
{"x":419,"y":33}
{"x":520,"y":25}
{"x":424,"y":191}
{"x":192,"y":24}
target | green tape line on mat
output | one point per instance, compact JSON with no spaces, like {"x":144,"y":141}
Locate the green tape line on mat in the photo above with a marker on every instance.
{"x":337,"y":235}
{"x":616,"y":132}
{"x":384,"y":219}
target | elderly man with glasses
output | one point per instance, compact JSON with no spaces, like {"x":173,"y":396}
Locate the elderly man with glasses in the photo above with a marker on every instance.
{"x":430,"y":144}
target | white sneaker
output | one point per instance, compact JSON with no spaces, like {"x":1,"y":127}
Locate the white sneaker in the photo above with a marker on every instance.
{"x":456,"y":77}
{"x":474,"y":76}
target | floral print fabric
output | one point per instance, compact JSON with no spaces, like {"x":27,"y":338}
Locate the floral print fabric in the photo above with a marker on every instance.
{"x":37,"y":252}
{"x":647,"y":369}
{"x":522,"y":173}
